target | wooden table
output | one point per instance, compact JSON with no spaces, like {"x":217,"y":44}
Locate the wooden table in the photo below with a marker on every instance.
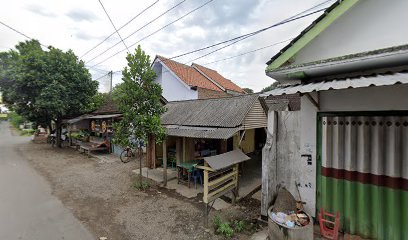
{"x":185,"y":167}
{"x":90,"y":147}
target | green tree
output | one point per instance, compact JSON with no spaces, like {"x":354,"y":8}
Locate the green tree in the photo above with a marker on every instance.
{"x":138,"y":98}
{"x":248,"y":90}
{"x":270,"y":87}
{"x":97,"y":101}
{"x":45,"y":85}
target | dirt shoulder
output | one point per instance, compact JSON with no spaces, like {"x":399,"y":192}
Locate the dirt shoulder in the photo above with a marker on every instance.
{"x":101,"y":195}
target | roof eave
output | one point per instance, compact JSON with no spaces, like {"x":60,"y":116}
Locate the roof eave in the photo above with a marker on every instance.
{"x":341,"y":66}
{"x":311,"y":32}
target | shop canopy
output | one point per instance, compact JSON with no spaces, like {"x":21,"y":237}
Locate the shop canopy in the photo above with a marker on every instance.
{"x":227,"y":159}
{"x":90,"y":116}
{"x":105,"y":116}
{"x":201,"y":132}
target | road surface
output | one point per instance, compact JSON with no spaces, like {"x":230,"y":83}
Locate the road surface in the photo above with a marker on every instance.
{"x":28,"y":210}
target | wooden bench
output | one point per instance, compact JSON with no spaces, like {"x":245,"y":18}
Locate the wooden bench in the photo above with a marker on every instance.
{"x":88,"y":149}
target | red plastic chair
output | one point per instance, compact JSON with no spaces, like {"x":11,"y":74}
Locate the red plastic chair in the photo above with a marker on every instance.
{"x":329,"y":224}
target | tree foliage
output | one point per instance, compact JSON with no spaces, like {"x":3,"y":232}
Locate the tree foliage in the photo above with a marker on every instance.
{"x":138,"y":98}
{"x":248,"y":90}
{"x":44,"y":85}
{"x":270,"y":87}
{"x":97,"y":101}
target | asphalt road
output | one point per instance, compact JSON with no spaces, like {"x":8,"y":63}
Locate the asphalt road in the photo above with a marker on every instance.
{"x":28,"y":210}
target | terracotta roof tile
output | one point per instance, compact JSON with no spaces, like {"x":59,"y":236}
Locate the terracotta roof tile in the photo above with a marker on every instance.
{"x":189,"y":75}
{"x":215,"y":76}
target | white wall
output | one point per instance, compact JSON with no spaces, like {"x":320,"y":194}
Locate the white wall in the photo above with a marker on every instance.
{"x":355,"y":31}
{"x":173,"y":88}
{"x":307,"y":170}
{"x":297,"y":132}
{"x":383,"y":98}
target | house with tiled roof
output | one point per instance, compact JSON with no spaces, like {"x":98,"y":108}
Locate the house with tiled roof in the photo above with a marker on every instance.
{"x":184,"y":82}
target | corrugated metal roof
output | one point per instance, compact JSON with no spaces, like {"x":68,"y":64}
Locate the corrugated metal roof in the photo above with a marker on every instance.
{"x":226,"y":159}
{"x":378,"y":80}
{"x":77,"y":119}
{"x":201,"y":132}
{"x":104,"y":116}
{"x":277,"y":104}
{"x":222,"y":112}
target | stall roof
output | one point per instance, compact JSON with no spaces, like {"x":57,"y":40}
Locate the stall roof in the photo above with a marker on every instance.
{"x":104,"y":116}
{"x":77,"y":119}
{"x":227,"y":159}
{"x":358,"y":82}
{"x":201,"y":132}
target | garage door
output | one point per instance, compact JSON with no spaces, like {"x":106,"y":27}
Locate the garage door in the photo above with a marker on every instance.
{"x":364,"y":173}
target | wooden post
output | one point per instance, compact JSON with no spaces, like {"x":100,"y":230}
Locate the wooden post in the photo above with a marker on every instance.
{"x":164,"y":163}
{"x":184,"y":149}
{"x":206,"y":215}
{"x":178,"y":150}
{"x":205,"y":196}
{"x":235,"y":194}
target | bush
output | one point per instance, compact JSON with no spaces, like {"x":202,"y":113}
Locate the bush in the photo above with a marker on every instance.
{"x":15,"y":119}
{"x":27,"y":132}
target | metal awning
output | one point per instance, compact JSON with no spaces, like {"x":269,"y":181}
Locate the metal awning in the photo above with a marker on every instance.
{"x":77,"y":119}
{"x":378,"y":80}
{"x":227,"y":159}
{"x":201,"y":132}
{"x":105,"y":116}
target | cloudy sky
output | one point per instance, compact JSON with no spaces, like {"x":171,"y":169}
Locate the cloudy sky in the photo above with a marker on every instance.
{"x":80,"y":25}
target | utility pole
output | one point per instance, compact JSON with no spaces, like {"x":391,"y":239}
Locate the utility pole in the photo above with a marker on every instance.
{"x":111,"y":75}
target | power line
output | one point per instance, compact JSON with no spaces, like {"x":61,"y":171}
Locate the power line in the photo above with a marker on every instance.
{"x":15,"y":30}
{"x":133,"y":33}
{"x":235,"y":56}
{"x":255,"y":50}
{"x":242,"y":37}
{"x":124,"y":25}
{"x":158,"y":30}
{"x":101,"y":76}
{"x":113,"y":25}
{"x":245,"y":53}
{"x":250,"y":35}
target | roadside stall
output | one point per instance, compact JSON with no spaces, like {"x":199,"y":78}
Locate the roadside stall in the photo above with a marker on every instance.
{"x":221,"y":177}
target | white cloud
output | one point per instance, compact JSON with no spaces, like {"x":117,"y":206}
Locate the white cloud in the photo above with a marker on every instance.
{"x":87,"y":25}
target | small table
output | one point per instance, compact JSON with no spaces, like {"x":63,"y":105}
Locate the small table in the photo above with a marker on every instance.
{"x":181,"y":168}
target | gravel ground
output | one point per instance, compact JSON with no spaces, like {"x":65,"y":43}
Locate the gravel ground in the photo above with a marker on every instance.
{"x":102,"y":197}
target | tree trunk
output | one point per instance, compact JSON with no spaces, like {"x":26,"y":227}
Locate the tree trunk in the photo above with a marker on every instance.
{"x":58,"y":136}
{"x":140,"y":164}
{"x":151,"y":152}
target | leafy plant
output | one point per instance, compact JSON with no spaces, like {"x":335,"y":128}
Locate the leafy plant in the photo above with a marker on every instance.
{"x":138,"y":98}
{"x":226,"y":230}
{"x":239,"y":225}
{"x":141,"y":185}
{"x":217,"y":221}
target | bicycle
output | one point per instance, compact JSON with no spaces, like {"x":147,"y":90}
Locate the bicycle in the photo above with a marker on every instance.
{"x":127,"y":154}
